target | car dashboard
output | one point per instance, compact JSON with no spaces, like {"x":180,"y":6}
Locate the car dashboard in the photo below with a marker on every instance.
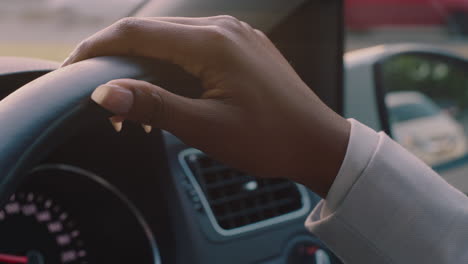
{"x":133,"y":197}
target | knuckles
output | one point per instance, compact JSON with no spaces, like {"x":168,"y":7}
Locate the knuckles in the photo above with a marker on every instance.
{"x":127,"y":25}
{"x":216,"y":34}
{"x":229,"y":23}
{"x":225,"y":29}
{"x":260,"y":33}
{"x":219,"y":33}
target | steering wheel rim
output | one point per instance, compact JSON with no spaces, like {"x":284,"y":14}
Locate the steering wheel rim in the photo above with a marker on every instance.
{"x":49,"y":110}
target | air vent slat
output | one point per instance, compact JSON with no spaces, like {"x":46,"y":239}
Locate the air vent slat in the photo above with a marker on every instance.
{"x":237,"y":199}
{"x":244,"y":195}
{"x":234,"y":180}
{"x":247,"y":212}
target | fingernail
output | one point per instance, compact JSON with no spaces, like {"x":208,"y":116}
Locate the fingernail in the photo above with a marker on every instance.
{"x":114,"y":98}
{"x":147,"y":128}
{"x":117,"y":125}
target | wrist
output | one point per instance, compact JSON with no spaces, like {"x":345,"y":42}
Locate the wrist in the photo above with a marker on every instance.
{"x":324,"y":153}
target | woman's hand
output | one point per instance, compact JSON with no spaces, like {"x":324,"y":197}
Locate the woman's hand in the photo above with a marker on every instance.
{"x":256,"y":114}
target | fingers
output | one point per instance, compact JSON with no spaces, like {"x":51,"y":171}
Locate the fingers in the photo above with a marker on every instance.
{"x":114,"y":98}
{"x":149,"y":105}
{"x":131,"y":36}
{"x":173,"y":39}
{"x":193,"y":21}
{"x":155,"y":39}
{"x":224,"y":21}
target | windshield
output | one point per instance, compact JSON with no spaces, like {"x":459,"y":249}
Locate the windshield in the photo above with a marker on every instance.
{"x":49,"y":29}
{"x":405,"y":112}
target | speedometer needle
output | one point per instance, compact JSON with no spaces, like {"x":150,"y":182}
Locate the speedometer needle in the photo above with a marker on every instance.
{"x":12,"y":259}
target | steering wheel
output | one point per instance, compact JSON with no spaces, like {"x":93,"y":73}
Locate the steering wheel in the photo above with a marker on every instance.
{"x":47,"y":111}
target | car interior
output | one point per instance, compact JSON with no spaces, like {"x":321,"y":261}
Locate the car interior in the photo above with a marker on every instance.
{"x":73,"y":190}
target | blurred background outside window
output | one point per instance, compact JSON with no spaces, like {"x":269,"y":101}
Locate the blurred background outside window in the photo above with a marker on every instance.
{"x":49,"y":29}
{"x":437,"y":22}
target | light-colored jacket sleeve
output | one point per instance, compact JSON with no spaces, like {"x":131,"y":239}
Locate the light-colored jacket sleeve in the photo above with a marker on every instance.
{"x":387,"y":206}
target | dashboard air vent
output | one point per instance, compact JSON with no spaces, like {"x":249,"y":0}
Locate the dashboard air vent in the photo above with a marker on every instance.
{"x":237,"y":199}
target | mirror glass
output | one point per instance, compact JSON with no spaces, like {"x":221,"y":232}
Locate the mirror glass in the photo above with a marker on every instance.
{"x":426,"y":106}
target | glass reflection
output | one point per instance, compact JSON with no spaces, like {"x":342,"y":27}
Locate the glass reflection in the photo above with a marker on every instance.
{"x":426,"y":100}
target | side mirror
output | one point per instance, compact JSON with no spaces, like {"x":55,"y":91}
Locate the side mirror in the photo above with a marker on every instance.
{"x":417,"y":94}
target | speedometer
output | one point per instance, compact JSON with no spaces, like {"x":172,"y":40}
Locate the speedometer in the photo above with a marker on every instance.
{"x":64,"y":214}
{"x":36,"y":229}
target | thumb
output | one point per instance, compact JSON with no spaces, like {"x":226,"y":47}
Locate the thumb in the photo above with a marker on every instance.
{"x":148,"y":104}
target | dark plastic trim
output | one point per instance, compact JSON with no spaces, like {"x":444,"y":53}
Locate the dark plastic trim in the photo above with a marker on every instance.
{"x":45,"y":112}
